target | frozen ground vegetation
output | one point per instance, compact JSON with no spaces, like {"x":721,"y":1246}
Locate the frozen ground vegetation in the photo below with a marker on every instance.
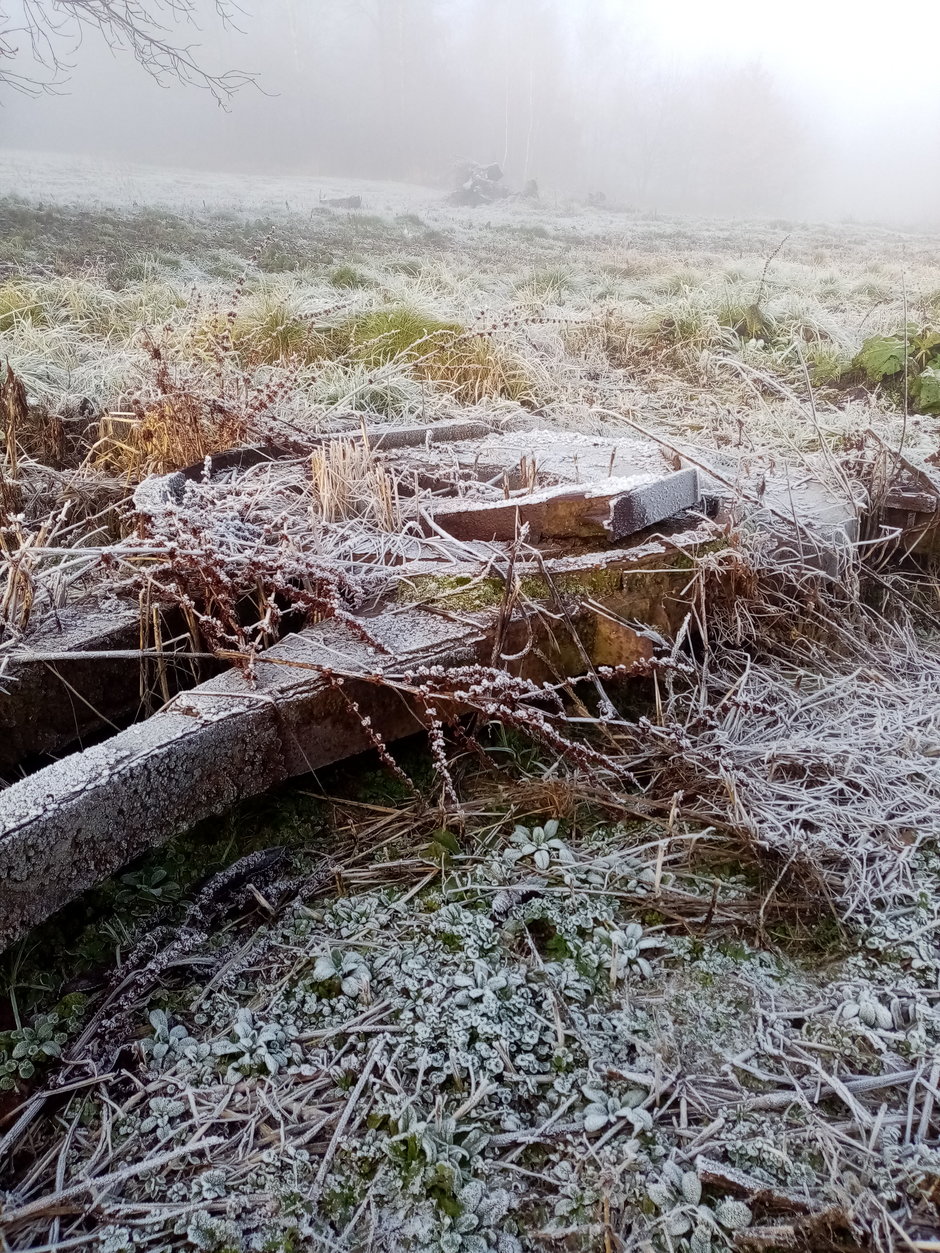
{"x":684,"y":1000}
{"x":552,"y":1022}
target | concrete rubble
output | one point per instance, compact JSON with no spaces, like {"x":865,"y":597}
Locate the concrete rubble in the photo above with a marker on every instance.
{"x":584,"y":509}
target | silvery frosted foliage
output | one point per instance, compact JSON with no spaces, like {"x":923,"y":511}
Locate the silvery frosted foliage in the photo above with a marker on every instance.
{"x":347,"y":967}
{"x":677,"y":1194}
{"x":163,"y":1115}
{"x":621,"y":951}
{"x":617,"y":871}
{"x":210,"y":1234}
{"x":540,"y":845}
{"x":437,"y":1139}
{"x":734,"y":1215}
{"x":169,"y":1044}
{"x":475,"y":1229}
{"x":603,"y":1109}
{"x":868,"y":1011}
{"x":497,"y":1001}
{"x":253,"y":1048}
{"x":112,"y":1239}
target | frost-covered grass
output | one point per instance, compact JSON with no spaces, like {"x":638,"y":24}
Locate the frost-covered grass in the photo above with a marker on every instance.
{"x":598,"y":312}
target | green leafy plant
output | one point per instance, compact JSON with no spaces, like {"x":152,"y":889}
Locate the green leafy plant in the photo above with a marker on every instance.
{"x":884,"y":360}
{"x":27,"y":1049}
{"x":540,"y":844}
{"x":881,"y":357}
{"x":925,"y":390}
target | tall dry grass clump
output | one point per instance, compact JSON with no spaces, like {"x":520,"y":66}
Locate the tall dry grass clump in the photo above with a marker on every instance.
{"x":180,"y":423}
{"x":348,"y":482}
{"x":464,"y":362}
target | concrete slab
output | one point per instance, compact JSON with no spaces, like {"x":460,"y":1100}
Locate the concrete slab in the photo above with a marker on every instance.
{"x":73,"y":823}
{"x":47,"y":705}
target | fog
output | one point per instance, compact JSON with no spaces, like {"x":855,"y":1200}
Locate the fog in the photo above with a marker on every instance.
{"x":717,"y":107}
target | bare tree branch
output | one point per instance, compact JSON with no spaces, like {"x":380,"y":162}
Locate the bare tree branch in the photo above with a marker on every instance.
{"x":45,"y":34}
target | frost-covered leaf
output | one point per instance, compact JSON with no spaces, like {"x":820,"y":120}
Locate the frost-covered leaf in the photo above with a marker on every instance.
{"x":925,"y":390}
{"x":324,"y":968}
{"x":661,"y":1195}
{"x":734,"y":1215}
{"x":641,"y":1119}
{"x":595,"y":1117}
{"x":701,"y":1239}
{"x":691,"y":1187}
{"x":678,"y":1224}
{"x":506,"y":1243}
{"x":471,"y":1194}
{"x":159,"y":1021}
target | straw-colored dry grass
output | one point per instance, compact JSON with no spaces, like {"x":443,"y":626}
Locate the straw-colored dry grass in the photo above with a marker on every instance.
{"x":348,"y":482}
{"x":174,"y":433}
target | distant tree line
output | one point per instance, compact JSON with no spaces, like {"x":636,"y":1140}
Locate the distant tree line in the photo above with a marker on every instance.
{"x":570,"y":94}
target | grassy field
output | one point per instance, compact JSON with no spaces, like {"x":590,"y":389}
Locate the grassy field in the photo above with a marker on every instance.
{"x":661,"y":1007}
{"x":716,"y":330}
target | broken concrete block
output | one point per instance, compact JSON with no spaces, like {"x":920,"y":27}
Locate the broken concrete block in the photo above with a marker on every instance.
{"x":70,"y":825}
{"x":654,"y":502}
{"x":616,"y":644}
{"x":158,"y":491}
{"x":610,"y":508}
{"x":48,"y":704}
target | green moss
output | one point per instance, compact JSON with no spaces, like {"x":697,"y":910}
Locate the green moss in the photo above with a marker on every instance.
{"x":592,"y":581}
{"x":462,"y":591}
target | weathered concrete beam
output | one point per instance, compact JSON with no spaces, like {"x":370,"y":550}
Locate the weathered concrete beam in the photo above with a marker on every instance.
{"x":80,"y":673}
{"x":611,"y":509}
{"x":73,"y":823}
{"x":46,"y":705}
{"x":155,"y":492}
{"x":70,"y":825}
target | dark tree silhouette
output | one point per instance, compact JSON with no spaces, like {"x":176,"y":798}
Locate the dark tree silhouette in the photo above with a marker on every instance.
{"x":38,"y":39}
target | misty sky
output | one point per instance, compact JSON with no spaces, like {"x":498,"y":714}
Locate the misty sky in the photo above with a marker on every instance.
{"x":819,"y":108}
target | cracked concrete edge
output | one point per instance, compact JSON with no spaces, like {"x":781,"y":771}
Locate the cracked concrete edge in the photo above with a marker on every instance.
{"x":615,"y":507}
{"x":159,"y":492}
{"x":44,"y":705}
{"x":70,"y":825}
